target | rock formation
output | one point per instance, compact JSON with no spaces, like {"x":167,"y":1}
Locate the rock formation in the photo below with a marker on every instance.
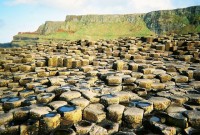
{"x":126,"y":86}
{"x":75,"y":27}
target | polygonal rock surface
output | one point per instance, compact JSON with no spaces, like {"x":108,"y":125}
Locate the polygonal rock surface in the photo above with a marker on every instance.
{"x":193,"y":118}
{"x":115,"y":112}
{"x":94,"y":113}
{"x":160,"y":103}
{"x":133,"y":117}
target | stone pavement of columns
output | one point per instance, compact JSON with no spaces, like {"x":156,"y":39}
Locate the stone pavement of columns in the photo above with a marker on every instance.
{"x":127,"y":86}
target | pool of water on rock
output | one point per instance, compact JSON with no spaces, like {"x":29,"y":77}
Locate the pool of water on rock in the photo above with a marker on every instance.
{"x":51,"y":114}
{"x":143,"y":104}
{"x":4,"y":99}
{"x":66,"y":108}
{"x":109,"y":96}
{"x":13,"y":99}
{"x":154,"y":119}
{"x":32,"y":97}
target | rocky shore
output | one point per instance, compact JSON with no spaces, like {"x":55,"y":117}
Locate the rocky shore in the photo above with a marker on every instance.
{"x":127,"y":86}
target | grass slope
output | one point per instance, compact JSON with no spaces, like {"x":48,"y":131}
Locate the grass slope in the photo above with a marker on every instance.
{"x":95,"y":31}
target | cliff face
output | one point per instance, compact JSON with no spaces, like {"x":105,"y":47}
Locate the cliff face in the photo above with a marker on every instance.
{"x":74,"y":27}
{"x":70,"y":22}
{"x":131,"y":18}
{"x":50,"y":27}
{"x":178,"y":20}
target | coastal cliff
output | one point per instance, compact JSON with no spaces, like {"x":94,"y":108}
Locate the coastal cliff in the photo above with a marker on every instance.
{"x":180,"y":21}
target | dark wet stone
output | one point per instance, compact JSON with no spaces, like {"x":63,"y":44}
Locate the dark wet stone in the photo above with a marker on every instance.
{"x":63,"y":132}
{"x":193,"y":118}
{"x":178,"y":120}
{"x":154,"y":119}
{"x":83,"y":127}
{"x":84,"y":123}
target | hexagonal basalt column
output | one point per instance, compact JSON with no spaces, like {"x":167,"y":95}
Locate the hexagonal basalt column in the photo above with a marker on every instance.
{"x":4,"y":82}
{"x":177,"y":119}
{"x":70,"y":114}
{"x":146,"y":106}
{"x":76,"y":63}
{"x":9,"y":129}
{"x":56,"y":81}
{"x":124,"y":96}
{"x":45,"y":97}
{"x":94,"y":113}
{"x":133,"y":67}
{"x":37,"y":112}
{"x":133,"y":117}
{"x":160,"y":103}
{"x":53,"y":61}
{"x":68,"y":62}
{"x":26,"y":93}
{"x":194,"y":98}
{"x":56,"y":104}
{"x":49,"y":122}
{"x":13,"y":102}
{"x":30,"y":100}
{"x":109,"y":99}
{"x":114,"y":80}
{"x":91,"y":96}
{"x":145,"y":83}
{"x":25,"y":68}
{"x":24,"y":81}
{"x":98,"y":130}
{"x":5,"y":118}
{"x":85,"y":62}
{"x":118,"y":65}
{"x":81,"y":102}
{"x":21,"y":113}
{"x":109,"y":126}
{"x":157,"y":86}
{"x":83,"y":127}
{"x":40,"y":89}
{"x":196,"y":74}
{"x":193,"y":118}
{"x":115,"y":112}
{"x":67,"y":96}
{"x":31,"y":127}
{"x":180,"y":79}
{"x":164,"y":77}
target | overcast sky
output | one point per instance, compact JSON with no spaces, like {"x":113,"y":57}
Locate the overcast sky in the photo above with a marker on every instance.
{"x":26,"y":15}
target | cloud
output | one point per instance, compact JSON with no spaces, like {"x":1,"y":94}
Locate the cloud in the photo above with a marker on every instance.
{"x":67,"y":4}
{"x":151,"y":5}
{"x":100,"y":6}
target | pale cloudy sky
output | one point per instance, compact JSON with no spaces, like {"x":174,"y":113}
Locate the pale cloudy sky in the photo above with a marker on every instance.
{"x":27,"y":15}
